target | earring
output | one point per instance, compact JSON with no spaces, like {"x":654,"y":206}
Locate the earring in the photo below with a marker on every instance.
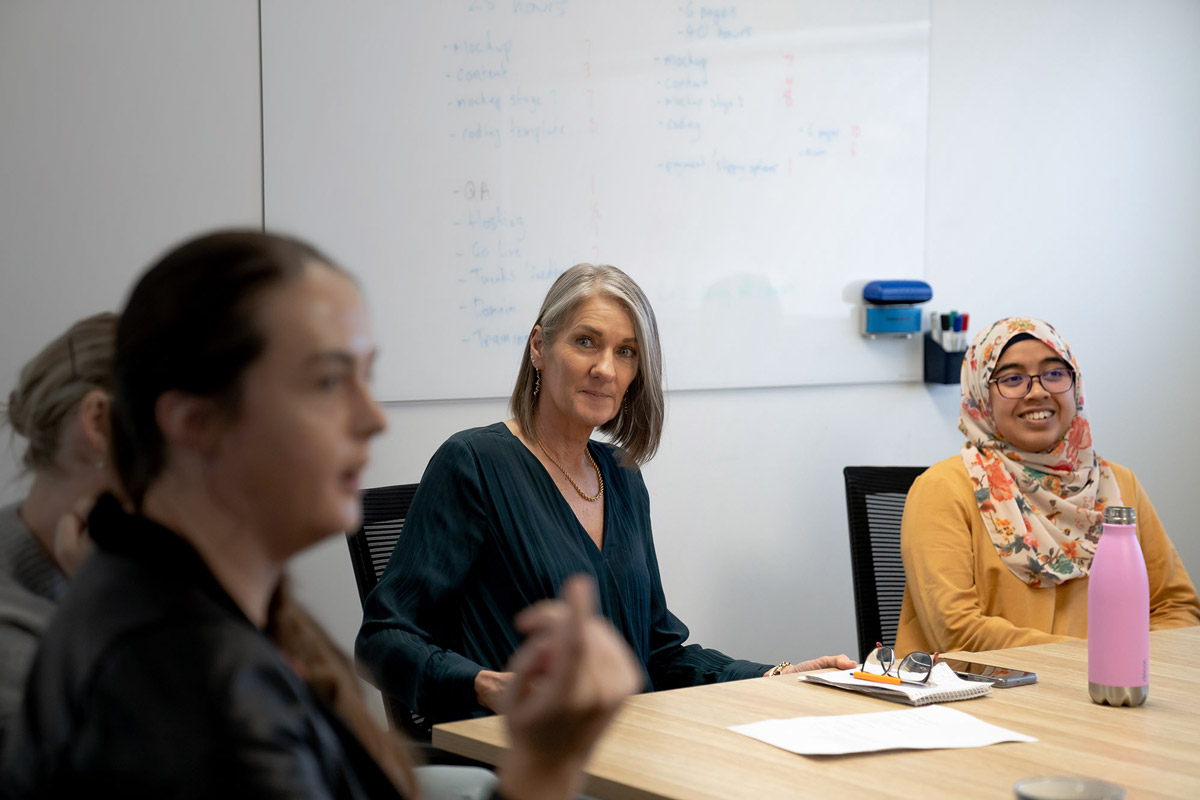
{"x":537,"y":382}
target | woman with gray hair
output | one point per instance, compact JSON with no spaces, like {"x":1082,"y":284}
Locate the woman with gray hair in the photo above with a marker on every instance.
{"x":504,"y":514}
{"x":60,"y":407}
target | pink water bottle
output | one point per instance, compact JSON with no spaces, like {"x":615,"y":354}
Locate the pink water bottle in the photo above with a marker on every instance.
{"x":1119,"y":614}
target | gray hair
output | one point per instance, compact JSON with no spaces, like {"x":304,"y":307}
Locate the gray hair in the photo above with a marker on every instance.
{"x":637,"y":427}
{"x":53,"y":383}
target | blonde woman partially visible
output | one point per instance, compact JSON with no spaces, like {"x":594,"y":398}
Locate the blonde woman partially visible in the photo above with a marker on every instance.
{"x":60,"y":407}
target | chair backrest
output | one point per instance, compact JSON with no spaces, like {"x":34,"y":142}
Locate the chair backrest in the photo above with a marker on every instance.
{"x":384,"y":510}
{"x":875,"y":504}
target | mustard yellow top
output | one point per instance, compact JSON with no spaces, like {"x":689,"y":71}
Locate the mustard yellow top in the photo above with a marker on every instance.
{"x":959,"y":595}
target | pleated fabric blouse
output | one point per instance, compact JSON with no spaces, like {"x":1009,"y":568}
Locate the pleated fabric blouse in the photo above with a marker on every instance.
{"x":489,"y":534}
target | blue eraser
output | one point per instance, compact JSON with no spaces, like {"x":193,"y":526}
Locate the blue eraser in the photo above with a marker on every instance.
{"x":891,"y":319}
{"x":889,"y":292}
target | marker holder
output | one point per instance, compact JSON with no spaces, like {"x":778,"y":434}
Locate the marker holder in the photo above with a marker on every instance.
{"x":941,"y":366}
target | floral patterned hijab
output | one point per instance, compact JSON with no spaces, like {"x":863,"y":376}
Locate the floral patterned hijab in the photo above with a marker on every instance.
{"x":1043,"y":511}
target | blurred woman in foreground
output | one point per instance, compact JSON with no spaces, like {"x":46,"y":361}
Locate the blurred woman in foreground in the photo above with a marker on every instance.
{"x":241,"y":422}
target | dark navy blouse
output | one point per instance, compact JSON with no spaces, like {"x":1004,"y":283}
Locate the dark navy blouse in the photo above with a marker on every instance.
{"x":489,"y":534}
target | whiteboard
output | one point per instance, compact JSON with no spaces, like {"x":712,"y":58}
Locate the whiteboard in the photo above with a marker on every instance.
{"x":750,"y":164}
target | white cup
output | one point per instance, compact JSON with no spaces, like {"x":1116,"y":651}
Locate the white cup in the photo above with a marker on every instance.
{"x":1067,"y":787}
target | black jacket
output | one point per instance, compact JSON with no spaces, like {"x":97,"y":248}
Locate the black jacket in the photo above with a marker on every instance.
{"x":150,"y":682}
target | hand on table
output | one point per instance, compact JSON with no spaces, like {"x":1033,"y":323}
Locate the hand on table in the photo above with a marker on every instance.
{"x":490,"y":687}
{"x":841,"y":661}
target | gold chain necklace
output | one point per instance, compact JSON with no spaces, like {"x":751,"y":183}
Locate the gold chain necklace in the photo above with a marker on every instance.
{"x":587,"y":452}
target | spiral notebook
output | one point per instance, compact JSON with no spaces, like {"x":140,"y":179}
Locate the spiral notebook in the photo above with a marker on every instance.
{"x":944,"y":687}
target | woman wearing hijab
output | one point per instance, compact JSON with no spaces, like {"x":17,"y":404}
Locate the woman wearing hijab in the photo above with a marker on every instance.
{"x":998,"y":540}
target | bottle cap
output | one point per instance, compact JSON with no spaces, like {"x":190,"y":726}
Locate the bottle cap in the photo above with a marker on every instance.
{"x":1118,"y":515}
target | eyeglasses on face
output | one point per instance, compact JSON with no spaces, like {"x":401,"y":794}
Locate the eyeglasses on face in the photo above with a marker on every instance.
{"x":1015,"y":385}
{"x":915,"y":667}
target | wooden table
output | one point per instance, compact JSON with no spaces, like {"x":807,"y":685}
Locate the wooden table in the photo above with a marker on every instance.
{"x":676,"y":744}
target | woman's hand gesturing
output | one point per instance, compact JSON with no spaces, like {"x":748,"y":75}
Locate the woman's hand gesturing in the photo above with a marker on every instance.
{"x":569,"y":679}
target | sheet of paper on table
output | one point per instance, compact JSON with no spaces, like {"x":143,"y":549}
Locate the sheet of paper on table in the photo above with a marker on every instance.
{"x":925,"y":728}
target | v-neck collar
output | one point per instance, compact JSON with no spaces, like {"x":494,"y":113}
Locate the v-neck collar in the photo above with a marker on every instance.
{"x":549,"y":479}
{"x":24,"y":559}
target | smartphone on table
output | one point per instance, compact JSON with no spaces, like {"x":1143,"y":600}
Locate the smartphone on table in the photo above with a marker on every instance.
{"x":998,"y":677}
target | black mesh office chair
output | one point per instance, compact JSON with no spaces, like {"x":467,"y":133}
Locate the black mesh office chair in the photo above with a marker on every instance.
{"x":875,"y":505}
{"x":384,"y":510}
{"x":383,"y":513}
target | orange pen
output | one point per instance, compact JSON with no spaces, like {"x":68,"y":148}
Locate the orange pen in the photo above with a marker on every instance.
{"x":871,"y":676}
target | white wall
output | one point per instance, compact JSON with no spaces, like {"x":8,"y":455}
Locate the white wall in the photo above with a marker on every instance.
{"x":1064,"y":181}
{"x":124,"y":127}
